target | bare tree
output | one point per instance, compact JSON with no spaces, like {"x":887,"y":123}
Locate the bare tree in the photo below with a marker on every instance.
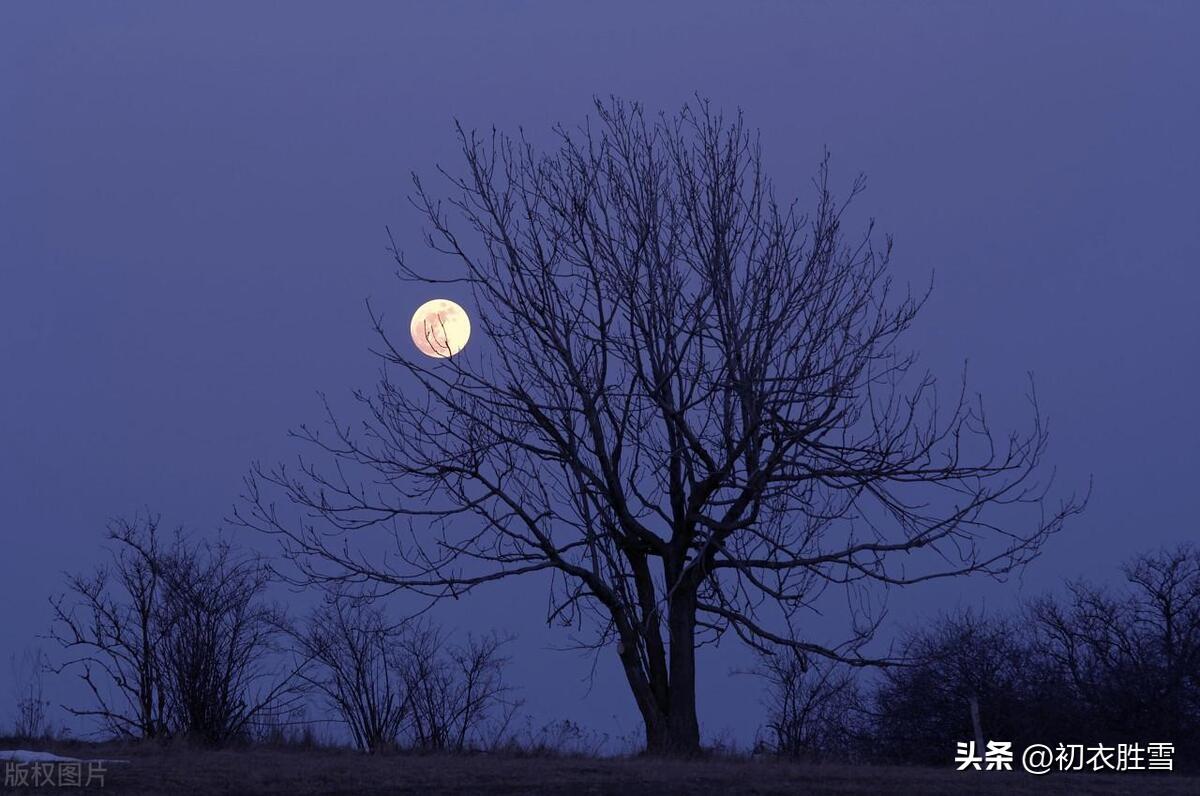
{"x":1165,"y":595}
{"x":108,"y":624}
{"x":29,"y":693}
{"x":454,"y":690}
{"x":358,"y":668}
{"x":964,"y":677}
{"x":690,"y":408}
{"x":1131,"y":658}
{"x":222,"y":654}
{"x":173,"y":637}
{"x":814,"y":708}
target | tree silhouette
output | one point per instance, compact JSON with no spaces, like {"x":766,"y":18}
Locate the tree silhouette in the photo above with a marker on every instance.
{"x":1129,"y":659}
{"x":690,"y":408}
{"x":353,"y":649}
{"x":967,"y":677}
{"x":110,"y":627}
{"x":174,"y":637}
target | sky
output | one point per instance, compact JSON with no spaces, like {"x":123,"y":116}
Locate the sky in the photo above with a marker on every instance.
{"x":193,"y":200}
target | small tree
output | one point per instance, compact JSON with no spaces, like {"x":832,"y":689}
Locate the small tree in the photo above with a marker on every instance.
{"x":357,"y":667}
{"x":1130,"y":659}
{"x":109,"y":625}
{"x":964,"y":677}
{"x":814,"y":709}
{"x":173,"y":636}
{"x":222,"y":656}
{"x":454,"y":690}
{"x":30,"y":694}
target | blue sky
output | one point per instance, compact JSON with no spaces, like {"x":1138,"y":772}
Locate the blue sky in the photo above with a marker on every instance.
{"x":193,"y":200}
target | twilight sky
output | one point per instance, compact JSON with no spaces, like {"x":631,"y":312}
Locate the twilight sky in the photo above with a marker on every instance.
{"x":192,"y":210}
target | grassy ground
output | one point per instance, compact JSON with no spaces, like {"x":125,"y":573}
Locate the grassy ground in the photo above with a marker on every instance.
{"x":177,"y":771}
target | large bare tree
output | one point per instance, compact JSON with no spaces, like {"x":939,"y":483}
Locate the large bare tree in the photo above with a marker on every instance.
{"x":686,"y":403}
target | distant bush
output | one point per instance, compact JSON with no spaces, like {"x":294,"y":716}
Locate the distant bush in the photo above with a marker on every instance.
{"x":965,"y":678}
{"x":1096,"y":665}
{"x":32,"y":707}
{"x":814,"y":708}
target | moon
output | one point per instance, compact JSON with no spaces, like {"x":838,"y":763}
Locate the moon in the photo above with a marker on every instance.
{"x":440,"y":328}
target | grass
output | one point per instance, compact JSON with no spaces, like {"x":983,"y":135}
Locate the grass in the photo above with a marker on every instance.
{"x":178,"y":770}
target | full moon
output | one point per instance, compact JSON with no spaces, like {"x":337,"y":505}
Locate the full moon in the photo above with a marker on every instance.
{"x":440,"y":328}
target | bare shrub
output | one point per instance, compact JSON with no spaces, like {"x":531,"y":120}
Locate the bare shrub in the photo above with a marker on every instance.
{"x":357,"y":667}
{"x":223,"y":657}
{"x":814,"y":708}
{"x":174,"y":638}
{"x":454,"y":690}
{"x":109,"y":625}
{"x":405,"y":684}
{"x":29,"y":694}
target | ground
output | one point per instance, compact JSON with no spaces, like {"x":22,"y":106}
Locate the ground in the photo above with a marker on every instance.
{"x":179,"y":771}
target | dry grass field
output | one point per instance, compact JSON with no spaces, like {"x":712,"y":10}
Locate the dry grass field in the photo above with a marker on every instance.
{"x":178,"y":771}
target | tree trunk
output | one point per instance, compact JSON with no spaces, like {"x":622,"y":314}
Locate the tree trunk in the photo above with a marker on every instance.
{"x":976,"y":725}
{"x":672,"y":729}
